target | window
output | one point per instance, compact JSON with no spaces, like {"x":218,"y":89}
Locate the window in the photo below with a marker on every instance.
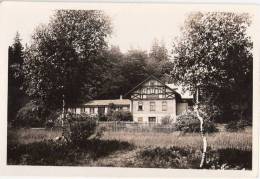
{"x":101,"y":110}
{"x":152,"y":119}
{"x":164,"y":106}
{"x":140,"y":106}
{"x":82,"y":110}
{"x":152,"y":83}
{"x":92,"y":110}
{"x":140,"y":119}
{"x":73,"y":110}
{"x":152,"y":106}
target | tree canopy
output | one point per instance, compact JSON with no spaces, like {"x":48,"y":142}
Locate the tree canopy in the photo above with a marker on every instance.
{"x":16,"y":97}
{"x":62,"y":58}
{"x":214,"y":54}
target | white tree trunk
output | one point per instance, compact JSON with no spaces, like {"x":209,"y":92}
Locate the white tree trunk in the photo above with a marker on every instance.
{"x":63,"y":111}
{"x":204,"y":139}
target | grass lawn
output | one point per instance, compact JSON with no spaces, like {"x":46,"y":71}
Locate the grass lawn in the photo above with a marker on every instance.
{"x":127,"y":149}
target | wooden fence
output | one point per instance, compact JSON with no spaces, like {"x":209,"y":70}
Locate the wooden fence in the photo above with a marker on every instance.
{"x":116,"y":126}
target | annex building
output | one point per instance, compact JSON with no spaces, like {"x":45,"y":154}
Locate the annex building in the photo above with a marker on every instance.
{"x":149,"y":102}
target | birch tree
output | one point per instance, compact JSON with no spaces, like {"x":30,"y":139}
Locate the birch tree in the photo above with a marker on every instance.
{"x":213,"y":58}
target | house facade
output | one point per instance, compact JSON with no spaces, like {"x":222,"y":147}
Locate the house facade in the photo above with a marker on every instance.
{"x":152,"y":100}
{"x":149,"y":102}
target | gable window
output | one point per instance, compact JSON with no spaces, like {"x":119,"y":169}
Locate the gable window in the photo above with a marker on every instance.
{"x":152,"y":106}
{"x":164,"y":106}
{"x":140,"y":106}
{"x":91,"y":110}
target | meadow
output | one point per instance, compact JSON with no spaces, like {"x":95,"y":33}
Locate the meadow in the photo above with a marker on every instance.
{"x":133,"y":149}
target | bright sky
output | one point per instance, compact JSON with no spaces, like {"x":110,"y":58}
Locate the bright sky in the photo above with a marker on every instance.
{"x":134,"y":25}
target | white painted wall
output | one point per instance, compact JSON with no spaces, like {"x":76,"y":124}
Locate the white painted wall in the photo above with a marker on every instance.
{"x":158,"y":113}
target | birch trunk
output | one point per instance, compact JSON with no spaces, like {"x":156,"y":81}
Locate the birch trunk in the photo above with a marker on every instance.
{"x":204,"y":139}
{"x":63,"y":111}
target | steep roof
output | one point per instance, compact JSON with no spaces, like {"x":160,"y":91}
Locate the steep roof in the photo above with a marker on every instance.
{"x":179,"y":89}
{"x":147,"y":79}
{"x":107,"y":102}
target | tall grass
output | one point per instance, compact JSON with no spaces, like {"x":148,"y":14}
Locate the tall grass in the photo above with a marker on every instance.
{"x":241,"y":140}
{"x":29,"y":135}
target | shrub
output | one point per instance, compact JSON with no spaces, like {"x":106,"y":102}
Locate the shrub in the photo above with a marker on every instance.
{"x":122,"y":116}
{"x":234,"y":126}
{"x":188,"y":122}
{"x":80,"y":128}
{"x":102,"y":117}
{"x":33,"y":114}
{"x":169,"y":157}
{"x":167,"y":120}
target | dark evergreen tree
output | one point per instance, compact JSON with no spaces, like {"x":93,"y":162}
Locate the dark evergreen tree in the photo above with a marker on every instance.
{"x":16,"y":96}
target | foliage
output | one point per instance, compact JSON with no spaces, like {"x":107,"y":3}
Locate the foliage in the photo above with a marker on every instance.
{"x":214,"y":52}
{"x":167,"y":120}
{"x":80,"y":127}
{"x":175,"y":157}
{"x":49,"y":152}
{"x":121,"y":116}
{"x":16,"y":97}
{"x":225,"y":159}
{"x":234,"y":126}
{"x":33,"y":114}
{"x":126,"y":70}
{"x":188,"y":122}
{"x":61,"y":52}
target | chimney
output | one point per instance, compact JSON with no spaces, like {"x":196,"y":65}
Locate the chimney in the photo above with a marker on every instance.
{"x":121,"y":97}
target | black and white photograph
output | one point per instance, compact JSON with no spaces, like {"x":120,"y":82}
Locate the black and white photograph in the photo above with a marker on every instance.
{"x":152,"y":86}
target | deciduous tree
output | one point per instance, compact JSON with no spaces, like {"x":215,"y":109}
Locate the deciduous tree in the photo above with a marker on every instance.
{"x":213,"y":57}
{"x":62,"y":58}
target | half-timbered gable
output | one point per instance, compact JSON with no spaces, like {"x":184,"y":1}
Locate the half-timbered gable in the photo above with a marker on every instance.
{"x":152,"y":100}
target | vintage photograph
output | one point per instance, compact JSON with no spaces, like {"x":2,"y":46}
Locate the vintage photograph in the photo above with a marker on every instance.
{"x":130,"y":86}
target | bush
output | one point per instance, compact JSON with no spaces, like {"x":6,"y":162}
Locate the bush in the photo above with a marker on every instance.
{"x":80,"y":128}
{"x":102,"y":117}
{"x":188,"y":122}
{"x":234,"y":126}
{"x":175,"y":157}
{"x":167,"y":120}
{"x":122,"y":116}
{"x":33,"y":114}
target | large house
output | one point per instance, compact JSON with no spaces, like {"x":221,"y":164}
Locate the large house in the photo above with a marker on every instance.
{"x":149,"y":102}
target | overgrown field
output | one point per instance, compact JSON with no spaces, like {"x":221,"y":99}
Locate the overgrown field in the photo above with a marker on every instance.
{"x":227,"y":150}
{"x":241,"y":140}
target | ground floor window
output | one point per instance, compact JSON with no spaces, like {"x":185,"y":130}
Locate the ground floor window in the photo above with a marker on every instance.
{"x":140,"y":119}
{"x":91,"y":110}
{"x":73,"y":110}
{"x":101,"y":110}
{"x":82,"y":110}
{"x":152,"y":119}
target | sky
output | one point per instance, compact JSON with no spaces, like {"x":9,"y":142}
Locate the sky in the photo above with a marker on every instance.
{"x":134,"y":27}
